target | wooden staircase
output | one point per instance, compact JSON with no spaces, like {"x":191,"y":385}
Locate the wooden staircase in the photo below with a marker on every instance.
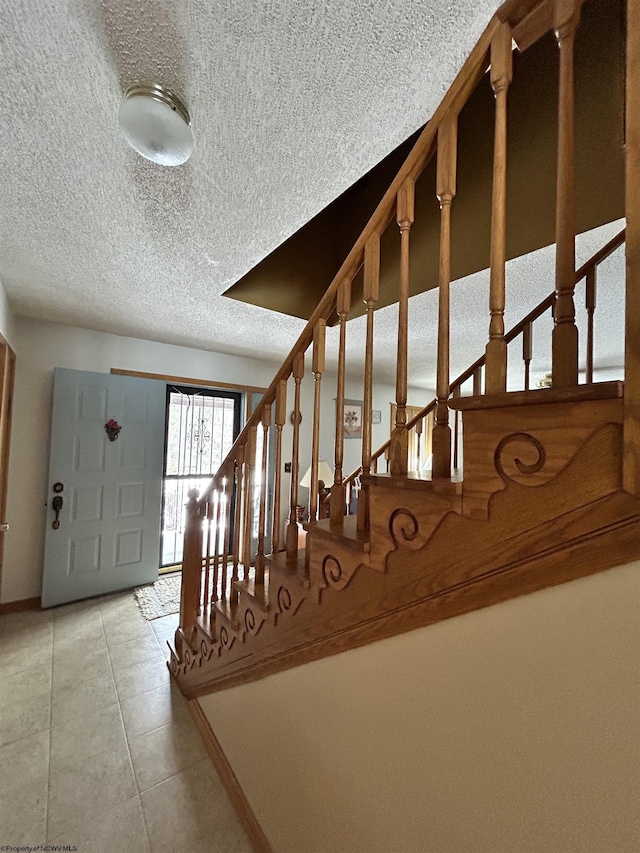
{"x":529,"y":488}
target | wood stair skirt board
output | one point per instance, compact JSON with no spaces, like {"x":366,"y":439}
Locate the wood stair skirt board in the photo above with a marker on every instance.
{"x":541,"y":504}
{"x":228,"y":778}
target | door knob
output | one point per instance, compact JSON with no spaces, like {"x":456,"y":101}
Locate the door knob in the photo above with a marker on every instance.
{"x":56,"y":505}
{"x":4,"y":527}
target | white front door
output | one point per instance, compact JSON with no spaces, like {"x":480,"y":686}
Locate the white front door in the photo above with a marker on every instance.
{"x":108,"y":533}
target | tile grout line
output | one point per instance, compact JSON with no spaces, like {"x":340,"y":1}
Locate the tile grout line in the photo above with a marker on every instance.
{"x":46,"y":811}
{"x":95,"y":816}
{"x":126,"y":739}
{"x":144,"y":734}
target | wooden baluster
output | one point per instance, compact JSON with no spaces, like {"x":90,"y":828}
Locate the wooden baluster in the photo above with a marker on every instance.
{"x":281,"y":417}
{"x":227,"y":547}
{"x":445,"y":190}
{"x":527,"y":353}
{"x":317,"y":367}
{"x":207,"y":554}
{"x":237,"y":522}
{"x":631,"y":430}
{"x":501,"y":74}
{"x":370,"y":295}
{"x":262,"y":519}
{"x":590,"y":300}
{"x":565,"y":332}
{"x":399,"y":451}
{"x":477,"y":381}
{"x":219,"y":522}
{"x":249,"y":489}
{"x":338,"y":496}
{"x":456,"y":429}
{"x":292,"y":526}
{"x":419,"y":428}
{"x":191,"y":575}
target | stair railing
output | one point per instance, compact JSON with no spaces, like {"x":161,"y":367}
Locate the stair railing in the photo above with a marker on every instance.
{"x":229,"y":512}
{"x":478,"y":370}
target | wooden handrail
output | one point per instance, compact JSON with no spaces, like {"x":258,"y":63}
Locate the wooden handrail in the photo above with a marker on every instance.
{"x":602,"y":254}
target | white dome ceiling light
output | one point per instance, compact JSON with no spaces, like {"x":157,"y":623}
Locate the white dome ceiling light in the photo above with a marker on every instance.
{"x":156,"y":124}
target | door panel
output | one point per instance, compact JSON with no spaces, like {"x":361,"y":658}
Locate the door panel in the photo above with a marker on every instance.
{"x":109,"y":532}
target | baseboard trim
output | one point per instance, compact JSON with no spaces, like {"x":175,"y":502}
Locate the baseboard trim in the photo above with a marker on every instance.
{"x":238,"y":800}
{"x":17,"y":606}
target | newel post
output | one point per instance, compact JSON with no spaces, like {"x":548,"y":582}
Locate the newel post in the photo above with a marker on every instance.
{"x":191,"y":564}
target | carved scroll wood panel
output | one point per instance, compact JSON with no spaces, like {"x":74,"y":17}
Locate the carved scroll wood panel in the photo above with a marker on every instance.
{"x":528,"y":445}
{"x":332,"y":564}
{"x":251,"y":620}
{"x":406,"y":518}
{"x":285,"y":596}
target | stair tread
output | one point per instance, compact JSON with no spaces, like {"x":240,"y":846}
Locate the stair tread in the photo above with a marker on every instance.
{"x":259,"y":592}
{"x":204,"y":624}
{"x":348,"y":530}
{"x":294,"y":568}
{"x":228,"y":611}
{"x":593,"y":391}
{"x":413,"y":480}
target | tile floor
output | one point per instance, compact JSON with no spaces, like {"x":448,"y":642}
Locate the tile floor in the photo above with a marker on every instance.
{"x":97,"y":747}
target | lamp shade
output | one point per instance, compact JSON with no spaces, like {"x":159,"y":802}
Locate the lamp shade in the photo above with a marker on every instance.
{"x":324,"y":473}
{"x":156,"y":124}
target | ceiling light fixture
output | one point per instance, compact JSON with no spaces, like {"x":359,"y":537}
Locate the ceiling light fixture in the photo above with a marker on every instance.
{"x":156,"y":124}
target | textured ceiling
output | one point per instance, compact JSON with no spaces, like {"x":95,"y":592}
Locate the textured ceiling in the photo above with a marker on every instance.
{"x":291,"y":101}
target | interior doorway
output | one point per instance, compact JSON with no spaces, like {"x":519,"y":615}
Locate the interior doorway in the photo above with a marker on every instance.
{"x":7,"y":372}
{"x":201,"y":426}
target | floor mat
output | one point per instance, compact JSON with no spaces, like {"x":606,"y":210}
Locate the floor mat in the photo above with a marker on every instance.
{"x":161,"y":598}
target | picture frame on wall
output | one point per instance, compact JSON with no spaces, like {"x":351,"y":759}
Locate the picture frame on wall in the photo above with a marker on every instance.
{"x":353,"y":411}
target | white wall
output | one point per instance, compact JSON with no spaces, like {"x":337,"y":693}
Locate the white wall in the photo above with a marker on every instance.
{"x":7,"y":319}
{"x":513,"y":729}
{"x":40,"y":347}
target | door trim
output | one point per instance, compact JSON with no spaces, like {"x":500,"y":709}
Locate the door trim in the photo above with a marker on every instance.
{"x":7,"y":381}
{"x":183,"y":380}
{"x":241,"y":404}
